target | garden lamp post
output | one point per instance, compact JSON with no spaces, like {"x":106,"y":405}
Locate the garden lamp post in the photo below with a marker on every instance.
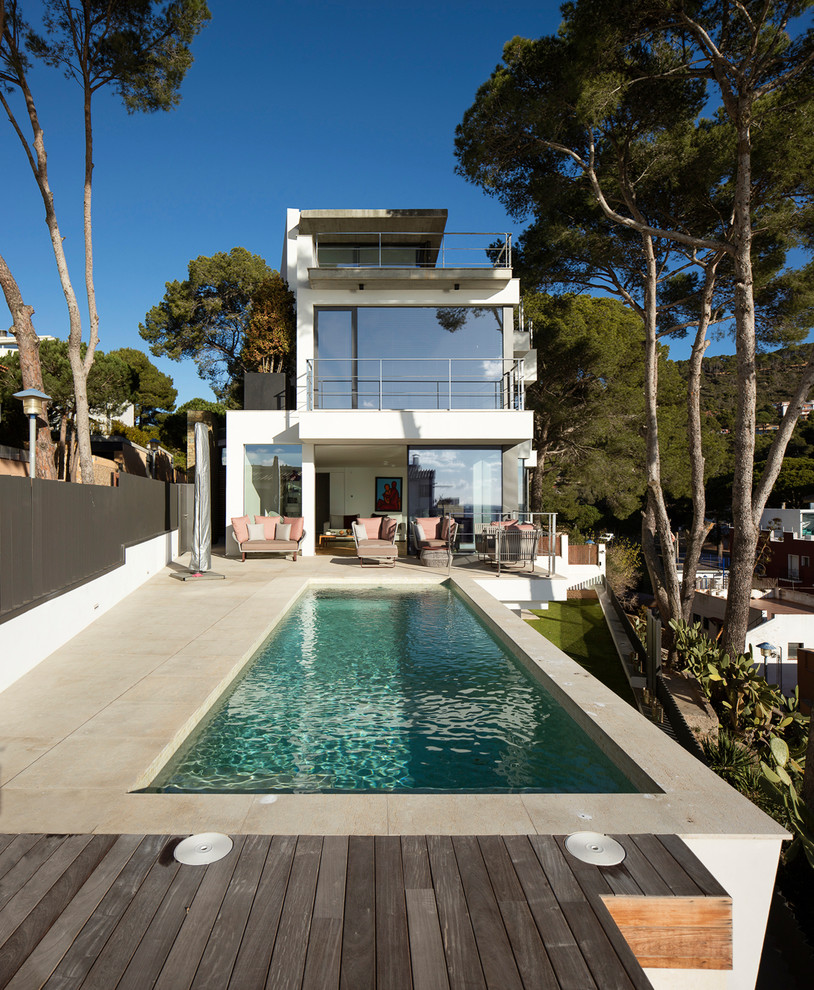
{"x":32,"y":400}
{"x":768,"y":650}
{"x":153,"y":443}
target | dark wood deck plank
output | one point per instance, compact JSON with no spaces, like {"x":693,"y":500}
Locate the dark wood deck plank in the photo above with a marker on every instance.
{"x":15,"y":850}
{"x":358,"y":967}
{"x":692,"y":866}
{"x":392,"y":938}
{"x":593,"y":882}
{"x":49,"y":897}
{"x":358,"y":913}
{"x":416,"y":863}
{"x":641,"y":869}
{"x":667,"y":868}
{"x":85,"y":949}
{"x":460,"y":948}
{"x":27,"y":865}
{"x":153,"y":949}
{"x":53,"y":946}
{"x":291,"y":946}
{"x":109,"y":966}
{"x":529,"y":952}
{"x":609,"y":972}
{"x":322,"y":962}
{"x":427,"y":959}
{"x":6,"y":838}
{"x":19,"y":906}
{"x":185,"y":956}
{"x":496,"y":956}
{"x":253,"y":959}
{"x":224,"y":942}
{"x":560,"y":944}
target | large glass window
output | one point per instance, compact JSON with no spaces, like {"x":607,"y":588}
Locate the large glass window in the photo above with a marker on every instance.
{"x":466,"y":482}
{"x":272,"y":480}
{"x":421,"y":357}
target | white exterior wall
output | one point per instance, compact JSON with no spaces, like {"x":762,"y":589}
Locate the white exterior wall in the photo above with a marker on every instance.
{"x":474,"y":426}
{"x":745,"y":866}
{"x":262,"y":426}
{"x":791,"y":520}
{"x":34,"y":635}
{"x":505,"y":427}
{"x":298,"y":257}
{"x":779,"y":630}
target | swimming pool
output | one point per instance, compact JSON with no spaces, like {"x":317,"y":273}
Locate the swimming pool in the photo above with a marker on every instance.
{"x":376,"y":689}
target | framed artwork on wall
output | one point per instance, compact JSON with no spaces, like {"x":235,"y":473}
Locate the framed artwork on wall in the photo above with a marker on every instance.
{"x":388,"y":495}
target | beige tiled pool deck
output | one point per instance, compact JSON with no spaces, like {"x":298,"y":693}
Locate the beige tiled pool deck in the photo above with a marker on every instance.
{"x":92,"y":723}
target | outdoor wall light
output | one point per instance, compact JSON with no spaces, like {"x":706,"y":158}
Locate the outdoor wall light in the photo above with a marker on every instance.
{"x":768,"y":650}
{"x":32,"y":400}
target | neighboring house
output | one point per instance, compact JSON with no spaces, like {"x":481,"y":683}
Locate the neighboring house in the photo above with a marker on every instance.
{"x":8,"y":343}
{"x":781,"y":617}
{"x":410,"y":379}
{"x":789,"y":547}
{"x":805,"y":412}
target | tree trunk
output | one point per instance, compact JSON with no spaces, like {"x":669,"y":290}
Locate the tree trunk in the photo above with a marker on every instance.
{"x":666,"y":574}
{"x":38,"y":162}
{"x":744,"y":537}
{"x":653,"y":561}
{"x":81,"y":365}
{"x":699,"y":528}
{"x":29,"y":349}
{"x":62,"y":456}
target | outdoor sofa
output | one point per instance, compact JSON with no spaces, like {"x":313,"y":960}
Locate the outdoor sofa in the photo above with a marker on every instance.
{"x":269,"y":534}
{"x":375,"y":539}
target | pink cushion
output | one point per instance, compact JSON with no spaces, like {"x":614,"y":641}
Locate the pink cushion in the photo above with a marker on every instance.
{"x":297,"y":525}
{"x":240,"y":527}
{"x":372,"y":526}
{"x":388,"y":530}
{"x":269,"y":525}
{"x":430,"y":526}
{"x":505,"y":522}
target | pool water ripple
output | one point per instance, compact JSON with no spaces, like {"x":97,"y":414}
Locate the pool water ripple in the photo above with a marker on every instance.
{"x":382,"y":690}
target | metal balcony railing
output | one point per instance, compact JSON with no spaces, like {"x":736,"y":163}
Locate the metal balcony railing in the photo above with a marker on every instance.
{"x":414,"y":383}
{"x":409,"y":249}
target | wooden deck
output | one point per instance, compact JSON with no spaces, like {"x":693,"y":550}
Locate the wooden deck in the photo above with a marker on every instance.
{"x":352,"y":913}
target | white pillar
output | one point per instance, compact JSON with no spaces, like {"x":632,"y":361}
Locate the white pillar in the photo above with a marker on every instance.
{"x":309,"y":508}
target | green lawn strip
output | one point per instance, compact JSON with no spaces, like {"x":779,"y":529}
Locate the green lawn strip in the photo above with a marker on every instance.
{"x":579,"y":629}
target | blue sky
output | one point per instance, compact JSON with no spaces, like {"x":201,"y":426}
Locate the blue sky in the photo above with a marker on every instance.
{"x":309,"y":104}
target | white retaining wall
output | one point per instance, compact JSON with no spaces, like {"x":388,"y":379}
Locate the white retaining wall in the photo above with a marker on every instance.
{"x":34,"y":635}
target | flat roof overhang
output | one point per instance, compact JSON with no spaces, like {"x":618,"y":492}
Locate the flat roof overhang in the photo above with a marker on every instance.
{"x":464,"y":427}
{"x":367,"y":221}
{"x":393,"y":278}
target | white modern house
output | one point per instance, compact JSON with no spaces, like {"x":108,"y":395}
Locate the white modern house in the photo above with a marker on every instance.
{"x":410,"y":379}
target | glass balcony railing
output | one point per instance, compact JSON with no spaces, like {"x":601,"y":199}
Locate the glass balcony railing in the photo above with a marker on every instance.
{"x":414,"y":383}
{"x":390,"y":249}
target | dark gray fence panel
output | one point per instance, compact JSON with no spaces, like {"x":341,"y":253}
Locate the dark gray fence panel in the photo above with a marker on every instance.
{"x":55,"y":536}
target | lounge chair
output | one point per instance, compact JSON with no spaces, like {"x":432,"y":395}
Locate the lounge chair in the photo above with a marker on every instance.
{"x":375,"y":539}
{"x":434,"y":532}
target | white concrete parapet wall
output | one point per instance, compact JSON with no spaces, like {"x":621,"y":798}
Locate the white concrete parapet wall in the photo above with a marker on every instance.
{"x":31,"y":637}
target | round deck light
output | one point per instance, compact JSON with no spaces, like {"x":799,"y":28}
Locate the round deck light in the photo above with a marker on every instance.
{"x":204,"y":848}
{"x":595,"y":848}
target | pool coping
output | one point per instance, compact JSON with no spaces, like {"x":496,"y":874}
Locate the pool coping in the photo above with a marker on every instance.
{"x":83,"y":730}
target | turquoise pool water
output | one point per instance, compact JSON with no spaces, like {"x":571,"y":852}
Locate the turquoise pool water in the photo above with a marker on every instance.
{"x":387,"y":690}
